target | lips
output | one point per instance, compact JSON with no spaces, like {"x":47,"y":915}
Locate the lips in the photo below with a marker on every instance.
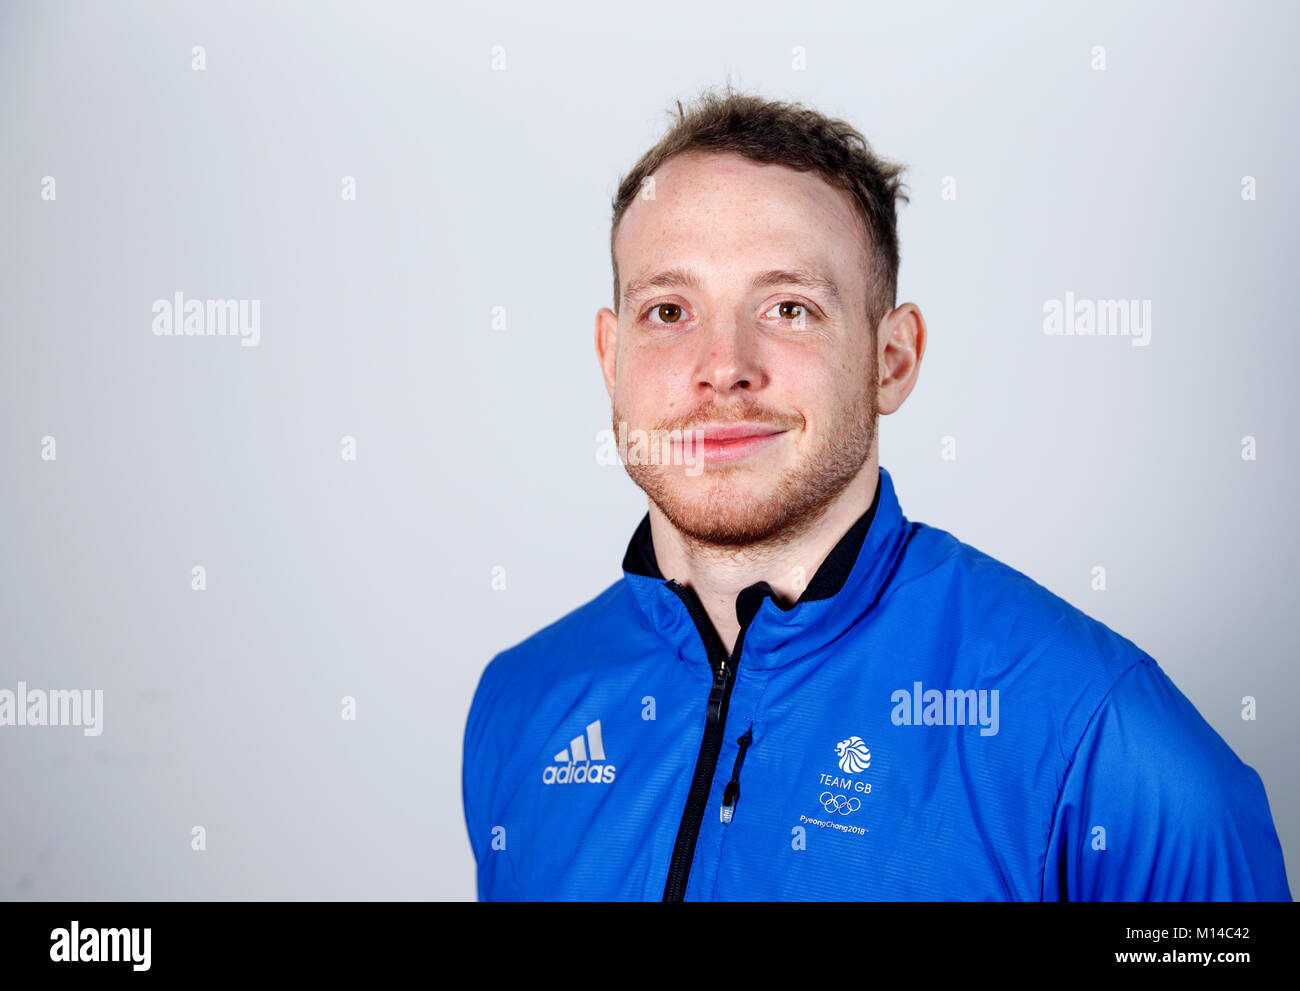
{"x":725,"y":433}
{"x":724,"y":443}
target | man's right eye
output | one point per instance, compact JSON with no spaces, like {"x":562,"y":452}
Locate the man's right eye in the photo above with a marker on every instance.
{"x":670,"y":313}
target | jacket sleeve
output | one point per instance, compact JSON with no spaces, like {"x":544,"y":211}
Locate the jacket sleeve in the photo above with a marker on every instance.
{"x":480,"y":786}
{"x":1155,"y":806}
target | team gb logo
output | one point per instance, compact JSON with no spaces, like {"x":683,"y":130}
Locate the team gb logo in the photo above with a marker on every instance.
{"x":854,"y":755}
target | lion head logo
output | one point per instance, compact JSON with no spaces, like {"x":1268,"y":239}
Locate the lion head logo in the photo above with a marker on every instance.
{"x":854,"y":755}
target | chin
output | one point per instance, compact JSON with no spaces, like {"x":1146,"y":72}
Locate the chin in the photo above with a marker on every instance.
{"x":719,"y":489}
{"x":735,"y":526}
{"x":728,"y":506}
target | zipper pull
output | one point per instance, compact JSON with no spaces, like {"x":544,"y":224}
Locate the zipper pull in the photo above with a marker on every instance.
{"x":716,"y":692}
{"x":731,"y":794}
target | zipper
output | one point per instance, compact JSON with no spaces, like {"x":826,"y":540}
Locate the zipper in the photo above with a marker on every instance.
{"x":731,"y":794}
{"x":724,"y":678}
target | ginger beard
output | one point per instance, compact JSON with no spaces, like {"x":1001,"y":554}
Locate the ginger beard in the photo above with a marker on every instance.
{"x":736,"y":504}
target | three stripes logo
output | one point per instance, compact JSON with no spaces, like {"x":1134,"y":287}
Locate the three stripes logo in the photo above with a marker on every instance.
{"x":582,"y":761}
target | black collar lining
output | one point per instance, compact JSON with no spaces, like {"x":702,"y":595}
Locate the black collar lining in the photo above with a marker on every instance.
{"x":826,"y":583}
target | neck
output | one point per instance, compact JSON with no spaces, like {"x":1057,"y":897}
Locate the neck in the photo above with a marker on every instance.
{"x":787,"y":561}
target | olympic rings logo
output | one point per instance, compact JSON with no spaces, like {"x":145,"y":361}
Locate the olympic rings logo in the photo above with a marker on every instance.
{"x":839,"y":803}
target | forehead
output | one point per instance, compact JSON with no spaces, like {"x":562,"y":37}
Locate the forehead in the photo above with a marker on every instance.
{"x":716,"y":211}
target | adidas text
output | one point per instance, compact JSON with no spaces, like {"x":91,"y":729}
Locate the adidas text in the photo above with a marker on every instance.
{"x":573,"y":764}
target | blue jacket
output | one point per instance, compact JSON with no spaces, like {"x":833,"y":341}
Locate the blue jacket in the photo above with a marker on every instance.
{"x":924,"y":723}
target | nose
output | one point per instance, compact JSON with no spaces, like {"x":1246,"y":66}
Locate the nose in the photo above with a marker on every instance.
{"x":728,"y":357}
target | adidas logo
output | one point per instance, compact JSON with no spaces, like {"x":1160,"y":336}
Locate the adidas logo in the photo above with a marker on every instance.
{"x":575,"y":762}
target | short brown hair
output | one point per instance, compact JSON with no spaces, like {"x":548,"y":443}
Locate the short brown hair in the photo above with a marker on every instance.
{"x":771,"y":131}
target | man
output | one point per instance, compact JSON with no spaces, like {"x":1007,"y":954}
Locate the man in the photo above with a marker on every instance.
{"x":794,"y":692}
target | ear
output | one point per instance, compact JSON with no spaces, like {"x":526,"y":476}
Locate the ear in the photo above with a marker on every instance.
{"x":901,"y":345}
{"x":607,"y":347}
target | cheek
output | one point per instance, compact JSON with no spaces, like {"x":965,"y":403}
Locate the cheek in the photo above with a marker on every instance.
{"x":825,"y":392}
{"x":652,"y":380}
{"x":814,"y":382}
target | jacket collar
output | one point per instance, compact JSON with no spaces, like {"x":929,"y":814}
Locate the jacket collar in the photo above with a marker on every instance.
{"x":845,"y":587}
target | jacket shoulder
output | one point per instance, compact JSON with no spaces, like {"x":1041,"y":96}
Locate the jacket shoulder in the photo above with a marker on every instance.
{"x":527,"y":671}
{"x":554,"y":643}
{"x":1006,"y":602}
{"x":515,"y":685}
{"x":1017,"y":631}
{"x":1178,"y":815}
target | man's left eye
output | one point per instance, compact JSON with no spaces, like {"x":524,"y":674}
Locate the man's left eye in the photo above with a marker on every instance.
{"x":786,"y":306}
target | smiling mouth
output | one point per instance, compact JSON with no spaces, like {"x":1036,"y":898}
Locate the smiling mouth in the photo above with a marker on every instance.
{"x":727,"y":444}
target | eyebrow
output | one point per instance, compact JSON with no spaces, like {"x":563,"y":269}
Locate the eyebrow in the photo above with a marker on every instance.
{"x":674,"y":277}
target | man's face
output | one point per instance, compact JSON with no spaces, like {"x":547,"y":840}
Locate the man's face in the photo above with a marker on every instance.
{"x":742,"y":346}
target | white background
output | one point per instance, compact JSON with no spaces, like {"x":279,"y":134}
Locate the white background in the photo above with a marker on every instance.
{"x":476,"y":448}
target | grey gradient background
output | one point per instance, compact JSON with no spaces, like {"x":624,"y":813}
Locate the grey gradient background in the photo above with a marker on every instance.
{"x":476,"y":447}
